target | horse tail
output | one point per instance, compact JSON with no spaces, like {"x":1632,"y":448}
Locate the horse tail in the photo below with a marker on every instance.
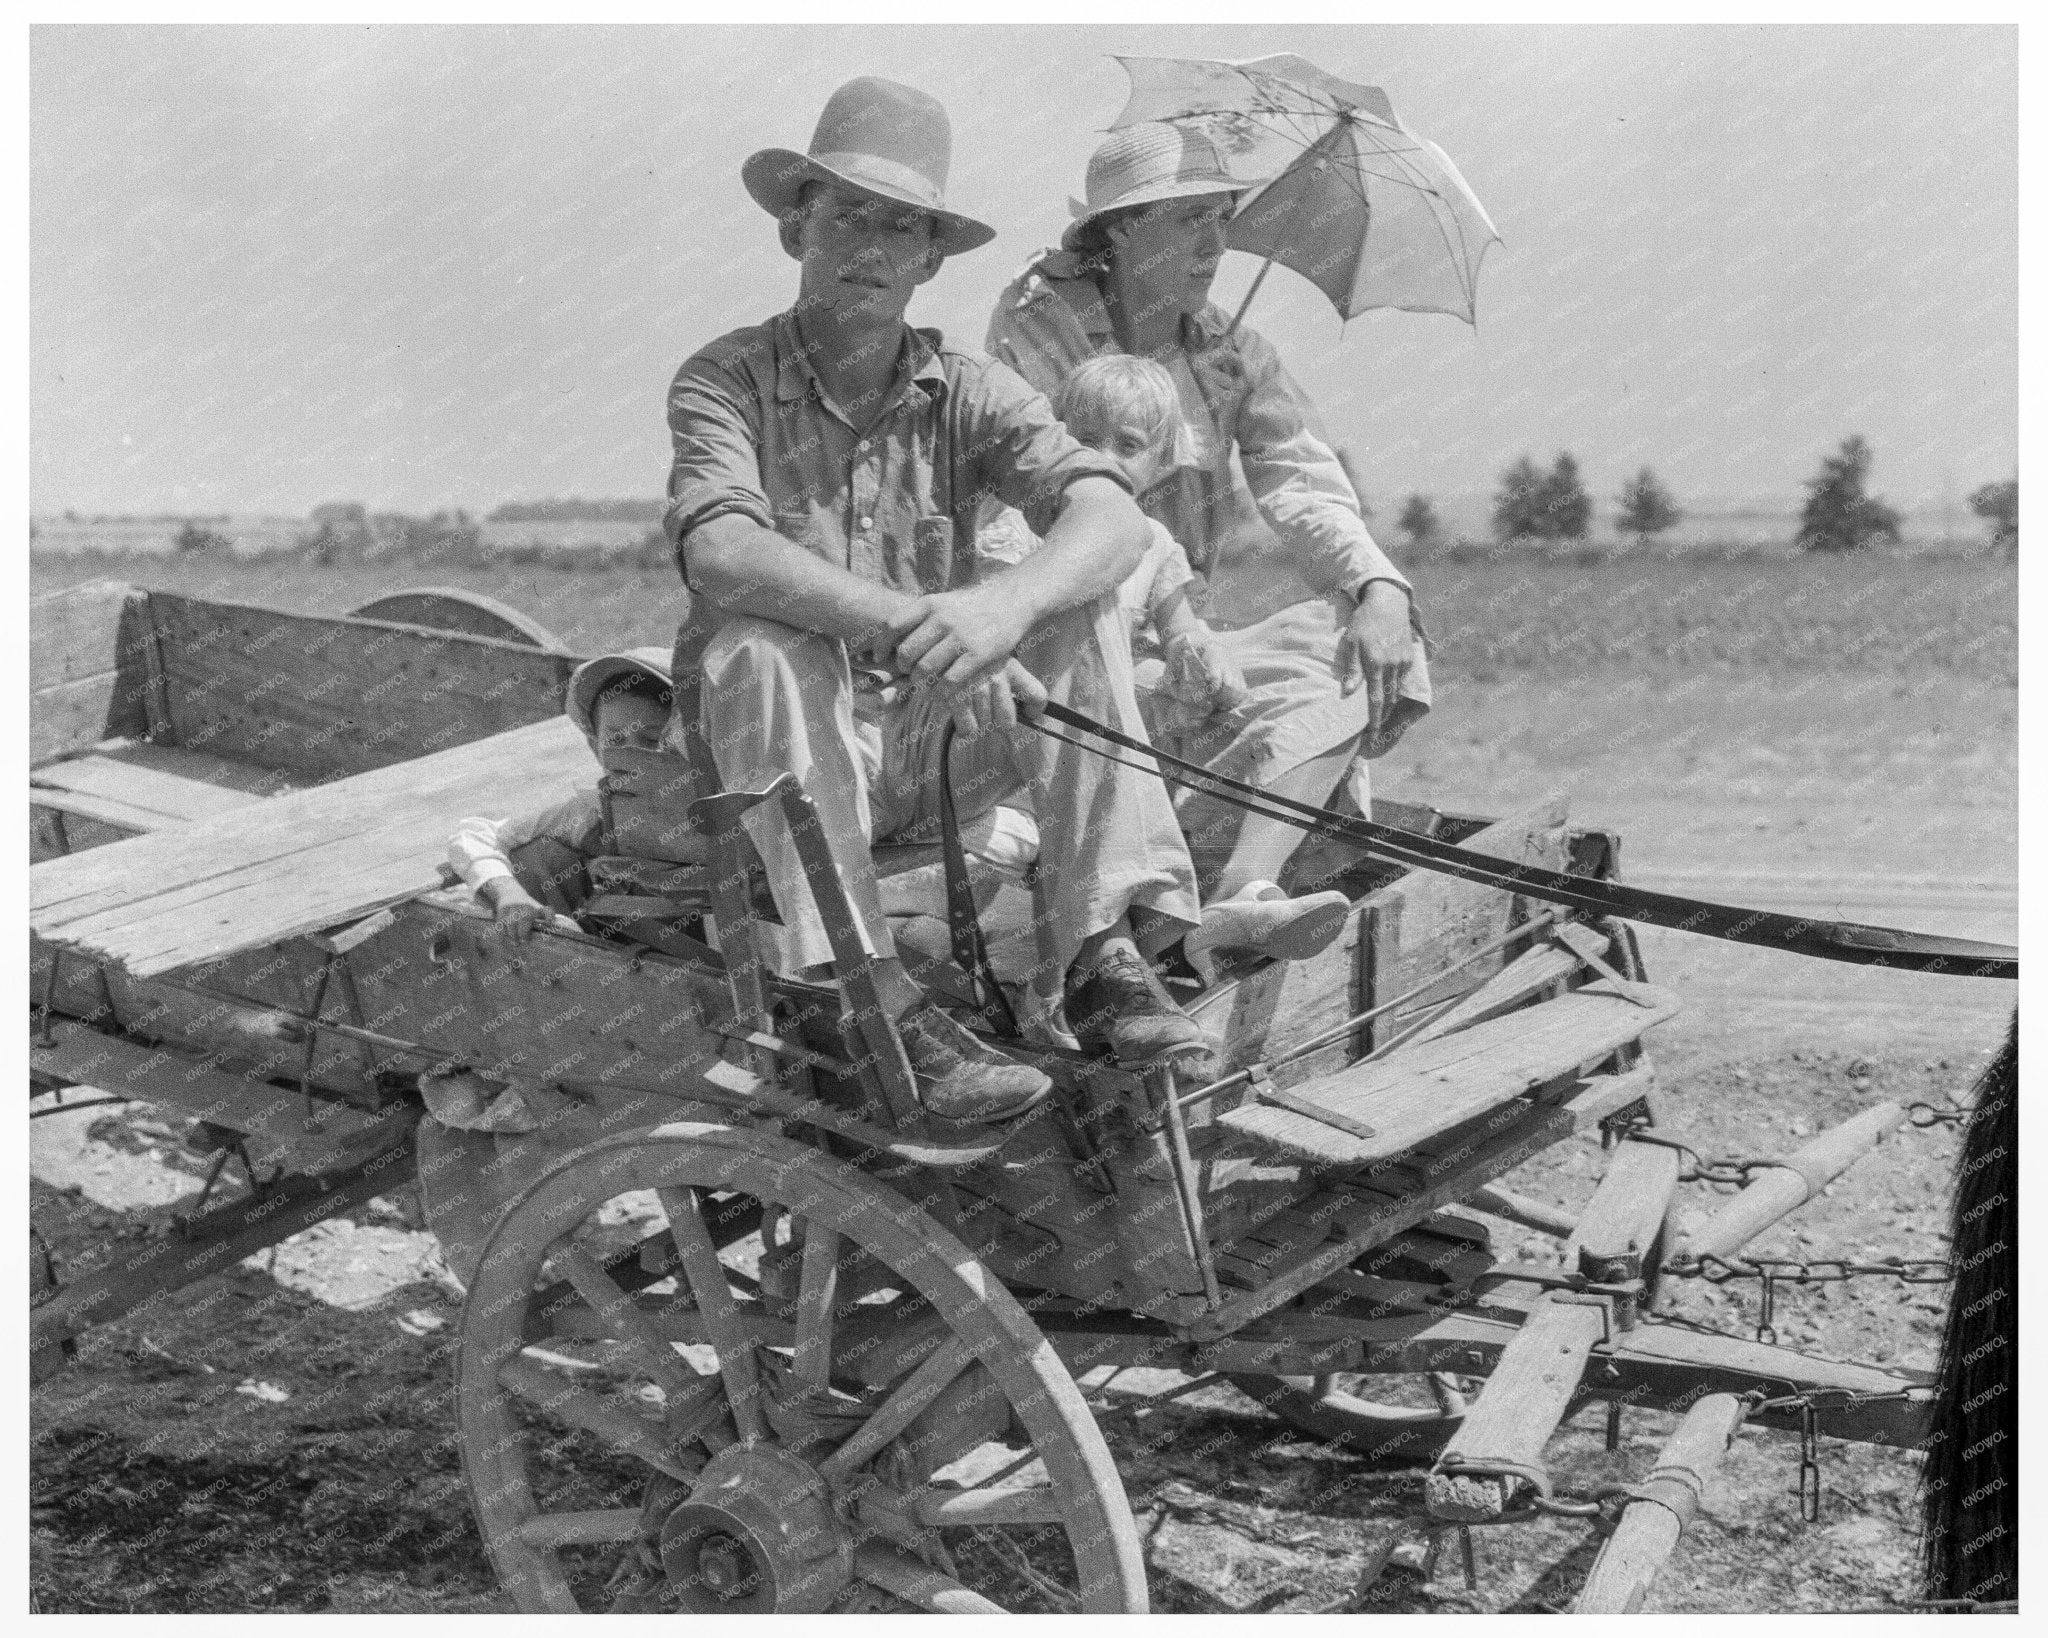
{"x":1969,"y":1495}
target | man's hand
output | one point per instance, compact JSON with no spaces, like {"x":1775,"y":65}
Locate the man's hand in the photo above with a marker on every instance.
{"x":954,"y":639}
{"x":1377,"y":648}
{"x":998,"y":701}
{"x":516,"y":912}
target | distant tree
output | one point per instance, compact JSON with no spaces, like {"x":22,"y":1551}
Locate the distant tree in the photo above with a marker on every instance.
{"x":192,"y":538}
{"x":1647,"y":507}
{"x":1839,"y":516}
{"x":1999,"y":505}
{"x":340,"y":513}
{"x":1420,"y":522}
{"x":1517,"y":504}
{"x":1564,"y":501}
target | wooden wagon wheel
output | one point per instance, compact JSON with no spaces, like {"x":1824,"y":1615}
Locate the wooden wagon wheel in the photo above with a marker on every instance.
{"x":452,"y":608}
{"x":863,"y":1425}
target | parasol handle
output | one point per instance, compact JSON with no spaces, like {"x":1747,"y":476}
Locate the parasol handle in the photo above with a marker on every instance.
{"x":1264,"y":268}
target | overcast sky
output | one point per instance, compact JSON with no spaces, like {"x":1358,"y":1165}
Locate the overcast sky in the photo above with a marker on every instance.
{"x":453,"y":267}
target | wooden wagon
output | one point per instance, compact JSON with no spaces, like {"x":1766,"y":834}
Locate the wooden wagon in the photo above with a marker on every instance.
{"x":834,"y":1367}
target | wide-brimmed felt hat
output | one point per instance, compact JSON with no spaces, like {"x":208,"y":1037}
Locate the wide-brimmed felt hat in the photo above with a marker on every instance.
{"x":1144,"y":163}
{"x":880,"y":138}
{"x":593,"y":677}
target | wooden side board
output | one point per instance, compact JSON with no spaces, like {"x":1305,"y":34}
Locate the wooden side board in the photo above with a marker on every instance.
{"x":1394,"y":938}
{"x":567,"y":1009}
{"x":327,"y":696}
{"x":1424,"y":922}
{"x":89,"y":674}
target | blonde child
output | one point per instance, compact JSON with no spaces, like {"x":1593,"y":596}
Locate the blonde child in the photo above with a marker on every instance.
{"x":1129,"y":408}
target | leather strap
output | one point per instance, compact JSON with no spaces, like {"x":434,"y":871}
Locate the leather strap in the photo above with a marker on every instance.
{"x":970,"y":948}
{"x":1848,"y":941}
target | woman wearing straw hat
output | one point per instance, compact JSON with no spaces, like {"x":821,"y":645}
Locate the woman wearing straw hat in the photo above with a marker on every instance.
{"x":1315,"y":614}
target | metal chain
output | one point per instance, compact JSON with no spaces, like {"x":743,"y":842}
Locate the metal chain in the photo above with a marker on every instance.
{"x":1921,"y":1116}
{"x":1770,"y":1272}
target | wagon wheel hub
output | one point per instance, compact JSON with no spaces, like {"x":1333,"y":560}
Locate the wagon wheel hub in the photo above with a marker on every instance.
{"x":756,"y":1536}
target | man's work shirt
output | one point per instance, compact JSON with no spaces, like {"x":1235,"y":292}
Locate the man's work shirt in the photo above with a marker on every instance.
{"x":756,"y":434}
{"x":1245,"y":411}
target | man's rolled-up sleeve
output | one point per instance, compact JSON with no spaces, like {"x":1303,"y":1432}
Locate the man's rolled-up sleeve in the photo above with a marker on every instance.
{"x":1298,"y":481}
{"x":1019,"y":451}
{"x":716,"y":469}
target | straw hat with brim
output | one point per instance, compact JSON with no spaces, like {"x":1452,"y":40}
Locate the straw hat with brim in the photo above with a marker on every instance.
{"x":1143,"y":164}
{"x":593,"y":677}
{"x":879,"y":138}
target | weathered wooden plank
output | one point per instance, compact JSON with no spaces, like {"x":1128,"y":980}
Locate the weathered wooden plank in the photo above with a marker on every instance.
{"x":1615,"y":1232}
{"x":1527,"y":976}
{"x":175,"y":798}
{"x":88,"y":666}
{"x":1393,"y":1199}
{"x":1427,"y":1088}
{"x":297,"y":862}
{"x":219,"y":1239}
{"x":221,"y":1091}
{"x":1425,"y":921}
{"x":323,"y":695}
{"x":1531,"y":1387}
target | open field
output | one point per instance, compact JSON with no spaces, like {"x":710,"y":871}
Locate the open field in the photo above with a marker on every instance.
{"x":1829,"y":736}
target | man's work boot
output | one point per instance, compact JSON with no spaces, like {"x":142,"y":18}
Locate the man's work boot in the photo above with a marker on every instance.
{"x":1118,"y":1001}
{"x":962,"y":1079}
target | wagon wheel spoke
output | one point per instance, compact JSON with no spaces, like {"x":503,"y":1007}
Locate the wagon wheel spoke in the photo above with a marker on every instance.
{"x":817,"y":1290}
{"x":896,"y":1412}
{"x":706,"y":1277}
{"x":618,"y":1427}
{"x":585,"y":1529}
{"x":618,"y":1311}
{"x":916,"y":1582}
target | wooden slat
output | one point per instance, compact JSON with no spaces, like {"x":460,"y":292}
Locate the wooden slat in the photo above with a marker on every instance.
{"x":1398,"y":1198}
{"x":1427,"y":1088}
{"x":213,"y":1090}
{"x":175,"y":798}
{"x":297,"y":862}
{"x":1615,"y":1232}
{"x":1424,"y":922}
{"x":1528,"y":975}
{"x":1525,"y":1397}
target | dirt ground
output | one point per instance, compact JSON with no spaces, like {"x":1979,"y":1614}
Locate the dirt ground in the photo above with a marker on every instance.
{"x":278,"y":1438}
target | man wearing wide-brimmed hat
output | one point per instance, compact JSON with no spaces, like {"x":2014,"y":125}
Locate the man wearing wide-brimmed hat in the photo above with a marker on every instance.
{"x":1315,"y":615}
{"x":829,"y":464}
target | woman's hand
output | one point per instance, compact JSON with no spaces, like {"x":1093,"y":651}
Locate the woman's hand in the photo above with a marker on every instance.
{"x":1202,"y":666}
{"x":1377,"y":648}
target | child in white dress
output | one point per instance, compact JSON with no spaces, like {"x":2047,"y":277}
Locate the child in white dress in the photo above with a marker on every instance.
{"x":1129,"y":408}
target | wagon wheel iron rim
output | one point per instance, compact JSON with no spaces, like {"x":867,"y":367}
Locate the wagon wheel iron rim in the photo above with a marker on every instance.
{"x":458,"y":609}
{"x":805,"y":1465}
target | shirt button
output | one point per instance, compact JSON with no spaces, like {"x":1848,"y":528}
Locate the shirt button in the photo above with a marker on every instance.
{"x":867,"y":523}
